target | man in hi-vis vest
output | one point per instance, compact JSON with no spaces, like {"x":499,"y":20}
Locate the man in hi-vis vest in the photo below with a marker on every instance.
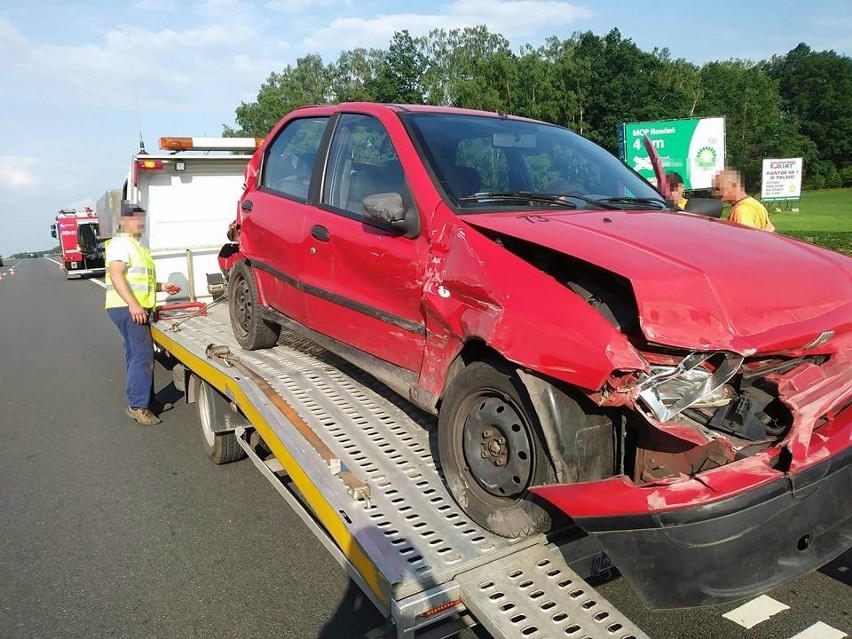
{"x":131,"y":293}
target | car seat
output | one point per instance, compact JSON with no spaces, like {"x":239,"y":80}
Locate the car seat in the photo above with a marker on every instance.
{"x":361,"y":184}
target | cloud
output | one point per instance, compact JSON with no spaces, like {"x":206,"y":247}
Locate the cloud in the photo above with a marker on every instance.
{"x":349,"y":33}
{"x":215,"y":48}
{"x":292,"y":6}
{"x":521,"y":18}
{"x":15,"y":172}
{"x":512,"y":19}
{"x":169,"y":68}
{"x":154,"y":5}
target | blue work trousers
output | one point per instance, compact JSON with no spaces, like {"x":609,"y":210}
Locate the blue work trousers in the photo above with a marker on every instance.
{"x":138,"y":357}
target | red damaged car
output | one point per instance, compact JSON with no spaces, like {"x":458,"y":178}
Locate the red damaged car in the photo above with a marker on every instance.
{"x":680,"y":386}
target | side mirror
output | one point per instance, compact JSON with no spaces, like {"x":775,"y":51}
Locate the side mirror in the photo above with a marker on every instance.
{"x":387,"y":210}
{"x":53,"y":232}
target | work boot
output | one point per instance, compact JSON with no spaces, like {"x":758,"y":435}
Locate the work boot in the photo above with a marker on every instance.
{"x":144,"y":416}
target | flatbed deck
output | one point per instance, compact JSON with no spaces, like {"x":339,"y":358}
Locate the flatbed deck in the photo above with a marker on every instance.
{"x":424,"y":564}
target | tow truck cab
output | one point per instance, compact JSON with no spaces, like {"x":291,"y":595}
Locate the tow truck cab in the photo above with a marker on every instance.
{"x":188,"y":191}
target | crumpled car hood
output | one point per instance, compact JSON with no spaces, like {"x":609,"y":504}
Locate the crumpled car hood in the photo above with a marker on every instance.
{"x":701,"y":283}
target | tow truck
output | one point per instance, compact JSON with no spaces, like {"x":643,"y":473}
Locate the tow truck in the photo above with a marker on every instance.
{"x":357,"y":465}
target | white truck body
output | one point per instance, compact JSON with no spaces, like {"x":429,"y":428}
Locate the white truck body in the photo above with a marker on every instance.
{"x":108,"y":208}
{"x":189,"y":198}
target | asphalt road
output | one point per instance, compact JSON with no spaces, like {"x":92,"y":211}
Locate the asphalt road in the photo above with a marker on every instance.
{"x":109,"y":529}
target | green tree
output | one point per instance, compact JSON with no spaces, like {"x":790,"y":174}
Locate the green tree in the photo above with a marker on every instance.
{"x":537,"y":93}
{"x":308,"y":82}
{"x":478,"y":66}
{"x":799,"y":104}
{"x":400,"y":72}
{"x":353,"y":74}
{"x":743,"y":93}
{"x":816,"y":91}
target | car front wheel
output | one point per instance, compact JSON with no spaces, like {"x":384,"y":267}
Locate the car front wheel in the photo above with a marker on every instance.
{"x":491,"y":451}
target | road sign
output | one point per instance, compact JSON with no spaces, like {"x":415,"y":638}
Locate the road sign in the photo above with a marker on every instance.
{"x":782,"y":179}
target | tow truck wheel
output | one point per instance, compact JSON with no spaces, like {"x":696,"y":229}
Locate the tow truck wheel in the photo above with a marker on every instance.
{"x":250,"y":329}
{"x":491,"y":451}
{"x":215,"y":414}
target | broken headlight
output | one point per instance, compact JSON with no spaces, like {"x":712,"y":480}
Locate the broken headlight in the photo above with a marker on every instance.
{"x":698,"y":381}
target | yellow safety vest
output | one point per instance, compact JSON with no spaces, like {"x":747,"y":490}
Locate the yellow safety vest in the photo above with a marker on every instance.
{"x":140,"y":276}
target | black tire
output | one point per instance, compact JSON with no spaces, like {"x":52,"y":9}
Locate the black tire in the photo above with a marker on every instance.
{"x":250,"y":329}
{"x":491,"y":451}
{"x":214,"y":410}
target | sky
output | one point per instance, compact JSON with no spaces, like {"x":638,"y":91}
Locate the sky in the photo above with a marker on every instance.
{"x":81,"y":80}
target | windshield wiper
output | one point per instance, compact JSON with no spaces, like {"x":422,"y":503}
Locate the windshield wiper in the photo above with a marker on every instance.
{"x":636,"y":200}
{"x":526,"y":196}
{"x":557,"y":199}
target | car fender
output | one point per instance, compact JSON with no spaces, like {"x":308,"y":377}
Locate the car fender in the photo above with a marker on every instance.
{"x":522,"y":313}
{"x":229,"y":255}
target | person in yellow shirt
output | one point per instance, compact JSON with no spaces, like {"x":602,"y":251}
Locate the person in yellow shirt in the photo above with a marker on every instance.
{"x":745,"y":210}
{"x":677,"y":189}
{"x":131,"y":294}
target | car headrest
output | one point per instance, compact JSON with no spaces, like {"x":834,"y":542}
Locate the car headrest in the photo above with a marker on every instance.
{"x":465,"y":180}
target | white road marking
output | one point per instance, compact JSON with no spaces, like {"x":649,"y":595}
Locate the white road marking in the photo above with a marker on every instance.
{"x":755,"y":611}
{"x":820,"y":630}
{"x":91,"y":279}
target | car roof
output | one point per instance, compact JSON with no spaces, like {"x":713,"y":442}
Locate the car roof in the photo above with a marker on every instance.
{"x":374,"y":107}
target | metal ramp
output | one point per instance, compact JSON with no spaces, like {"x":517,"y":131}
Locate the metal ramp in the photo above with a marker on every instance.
{"x":422,"y":550}
{"x":533,"y":594}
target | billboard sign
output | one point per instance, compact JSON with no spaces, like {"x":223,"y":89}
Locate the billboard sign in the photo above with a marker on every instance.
{"x":782,"y":179}
{"x":694,"y":148}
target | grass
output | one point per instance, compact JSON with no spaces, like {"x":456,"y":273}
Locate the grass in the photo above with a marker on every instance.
{"x":823,"y":217}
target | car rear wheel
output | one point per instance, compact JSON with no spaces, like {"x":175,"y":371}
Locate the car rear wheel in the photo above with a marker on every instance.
{"x":491,"y":451}
{"x":250,"y":329}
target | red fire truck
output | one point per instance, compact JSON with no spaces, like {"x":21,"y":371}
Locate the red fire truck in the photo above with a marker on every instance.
{"x":78,"y":235}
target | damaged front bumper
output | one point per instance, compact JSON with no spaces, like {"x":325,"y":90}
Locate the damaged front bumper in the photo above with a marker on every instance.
{"x":728,"y":533}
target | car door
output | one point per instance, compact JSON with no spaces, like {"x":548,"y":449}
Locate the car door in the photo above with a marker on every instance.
{"x":273,"y":214}
{"x":364,"y":284}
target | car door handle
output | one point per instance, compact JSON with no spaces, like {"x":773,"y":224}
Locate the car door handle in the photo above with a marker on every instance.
{"x":321,"y":233}
{"x":246,"y":206}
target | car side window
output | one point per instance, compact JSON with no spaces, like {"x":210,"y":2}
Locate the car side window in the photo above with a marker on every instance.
{"x":289,"y":160}
{"x":362,"y":162}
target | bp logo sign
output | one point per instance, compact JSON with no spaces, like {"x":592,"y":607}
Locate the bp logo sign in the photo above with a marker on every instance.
{"x":706,"y":157}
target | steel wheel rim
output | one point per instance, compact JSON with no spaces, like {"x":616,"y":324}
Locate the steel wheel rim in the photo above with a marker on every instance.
{"x":497,"y":446}
{"x":242,"y":305}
